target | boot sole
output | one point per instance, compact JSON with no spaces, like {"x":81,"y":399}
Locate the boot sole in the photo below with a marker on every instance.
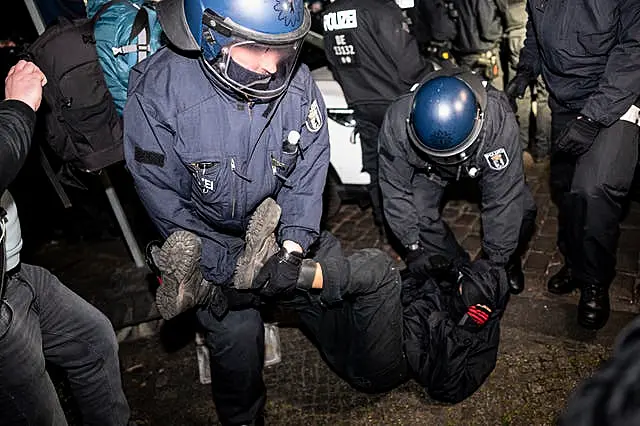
{"x":260,"y":243}
{"x":180,"y":255}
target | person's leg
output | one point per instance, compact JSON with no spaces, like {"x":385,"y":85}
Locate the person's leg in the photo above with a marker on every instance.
{"x":80,"y":339}
{"x":356,"y":319}
{"x":600,"y":187}
{"x":541,"y":143}
{"x":368,"y":131}
{"x":527,"y":228}
{"x":560,"y":177}
{"x":523,"y":116}
{"x":236,"y":347}
{"x":27,"y":395}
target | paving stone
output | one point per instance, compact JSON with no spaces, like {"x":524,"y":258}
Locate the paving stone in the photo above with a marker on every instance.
{"x":622,"y":287}
{"x":537,"y":261}
{"x":545,"y":244}
{"x":549,"y":227}
{"x":460,"y":232}
{"x":451,"y":213}
{"x":467,"y":219}
{"x":472,"y":244}
{"x":627,"y":261}
{"x":630,"y":240}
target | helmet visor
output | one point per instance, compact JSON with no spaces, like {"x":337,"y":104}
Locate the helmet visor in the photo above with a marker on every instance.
{"x":255,"y":69}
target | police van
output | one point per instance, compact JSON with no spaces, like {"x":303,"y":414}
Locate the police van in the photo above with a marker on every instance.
{"x":345,"y":181}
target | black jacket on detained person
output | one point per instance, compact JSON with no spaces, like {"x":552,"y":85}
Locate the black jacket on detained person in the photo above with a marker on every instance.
{"x":588,"y":53}
{"x":498,"y":160}
{"x":451,"y":361}
{"x":17,"y":123}
{"x":370,"y":50}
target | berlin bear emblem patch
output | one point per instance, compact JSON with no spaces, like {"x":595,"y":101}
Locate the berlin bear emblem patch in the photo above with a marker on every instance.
{"x":314,"y":118}
{"x":497,"y":159}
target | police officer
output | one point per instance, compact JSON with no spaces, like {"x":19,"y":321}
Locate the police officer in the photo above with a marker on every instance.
{"x":374,"y":324}
{"x":539,"y":147}
{"x":214,"y":125}
{"x":473,"y":29}
{"x":448,"y":129}
{"x":375,"y":59}
{"x":588,"y":55}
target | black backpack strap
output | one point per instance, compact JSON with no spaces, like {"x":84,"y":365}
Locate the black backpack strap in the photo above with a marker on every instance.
{"x":106,"y":6}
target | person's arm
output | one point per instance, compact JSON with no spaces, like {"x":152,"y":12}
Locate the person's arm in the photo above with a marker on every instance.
{"x":395,"y":179}
{"x":619,"y":87}
{"x":530,"y":61}
{"x":17,"y":121}
{"x":23,"y":94}
{"x":164,"y":184}
{"x":502,"y":185}
{"x":301,"y":198}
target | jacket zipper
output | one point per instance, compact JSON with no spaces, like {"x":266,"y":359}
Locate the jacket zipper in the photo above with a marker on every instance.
{"x":233,"y":198}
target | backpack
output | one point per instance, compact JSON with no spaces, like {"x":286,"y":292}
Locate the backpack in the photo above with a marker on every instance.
{"x":126,"y":33}
{"x":82,"y":125}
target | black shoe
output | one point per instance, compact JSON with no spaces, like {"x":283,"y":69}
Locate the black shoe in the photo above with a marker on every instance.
{"x":593,"y":308}
{"x":515,"y":276}
{"x":561,"y":282}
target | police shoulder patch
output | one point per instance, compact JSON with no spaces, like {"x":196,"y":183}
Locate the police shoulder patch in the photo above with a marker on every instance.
{"x":497,"y":159}
{"x":314,"y":117}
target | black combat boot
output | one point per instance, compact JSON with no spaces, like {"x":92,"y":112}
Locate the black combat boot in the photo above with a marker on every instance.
{"x":515,"y":275}
{"x":593,"y":308}
{"x":561,"y":282}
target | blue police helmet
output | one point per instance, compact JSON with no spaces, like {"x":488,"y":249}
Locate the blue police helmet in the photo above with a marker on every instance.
{"x":446,"y":116}
{"x":226,"y":30}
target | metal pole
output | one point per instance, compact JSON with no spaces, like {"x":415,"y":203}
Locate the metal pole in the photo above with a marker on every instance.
{"x":138,"y":259}
{"x":36,"y":17}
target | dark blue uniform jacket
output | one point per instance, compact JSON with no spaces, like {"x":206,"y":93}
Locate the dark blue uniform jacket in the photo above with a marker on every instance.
{"x":588,"y":52}
{"x":202,"y":160}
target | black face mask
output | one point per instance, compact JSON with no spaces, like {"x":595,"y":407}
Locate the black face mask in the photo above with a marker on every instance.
{"x":238,"y":73}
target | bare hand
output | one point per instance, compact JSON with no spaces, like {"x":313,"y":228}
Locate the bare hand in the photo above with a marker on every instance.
{"x":24,"y":83}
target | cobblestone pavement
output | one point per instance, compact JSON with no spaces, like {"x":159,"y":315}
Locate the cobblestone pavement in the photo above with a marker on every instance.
{"x":543,"y":352}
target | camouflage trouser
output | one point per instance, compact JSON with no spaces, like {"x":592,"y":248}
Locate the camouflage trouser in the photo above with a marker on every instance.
{"x":536,"y":121}
{"x":486,"y":64}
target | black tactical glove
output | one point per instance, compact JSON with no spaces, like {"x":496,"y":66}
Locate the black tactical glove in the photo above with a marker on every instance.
{"x":479,"y":288}
{"x":517,"y":86}
{"x":279,"y":275}
{"x":578,"y":136}
{"x":417,"y":261}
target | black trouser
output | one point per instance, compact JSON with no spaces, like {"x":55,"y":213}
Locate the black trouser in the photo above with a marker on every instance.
{"x":368,"y":122}
{"x":236,"y":348}
{"x":370,"y":339}
{"x":356,"y":321}
{"x":590,"y":194}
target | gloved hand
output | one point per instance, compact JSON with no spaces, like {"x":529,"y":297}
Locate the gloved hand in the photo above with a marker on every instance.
{"x":279,"y":275}
{"x":479,"y":287}
{"x":578,"y":136}
{"x":418,"y":262}
{"x":517,"y":86}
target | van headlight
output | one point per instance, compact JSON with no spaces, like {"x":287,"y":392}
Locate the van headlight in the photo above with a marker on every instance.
{"x":342,"y":116}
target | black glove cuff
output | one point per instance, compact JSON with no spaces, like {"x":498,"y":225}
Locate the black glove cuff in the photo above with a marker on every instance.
{"x":307,"y":275}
